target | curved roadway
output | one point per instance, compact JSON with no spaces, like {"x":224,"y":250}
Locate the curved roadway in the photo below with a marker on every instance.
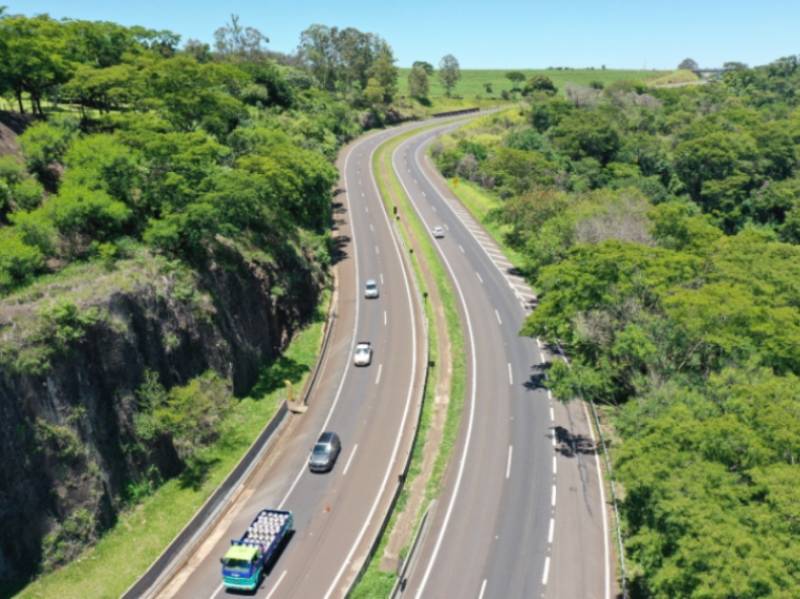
{"x":373,"y":409}
{"x":522,"y":511}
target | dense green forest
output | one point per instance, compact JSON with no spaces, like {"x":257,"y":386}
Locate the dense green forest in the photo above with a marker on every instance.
{"x":660,"y":228}
{"x":130,"y":138}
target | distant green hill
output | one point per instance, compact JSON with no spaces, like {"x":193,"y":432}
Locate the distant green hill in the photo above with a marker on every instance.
{"x":473,"y":81}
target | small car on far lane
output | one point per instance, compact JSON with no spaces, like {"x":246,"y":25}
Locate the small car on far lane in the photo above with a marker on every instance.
{"x":371,"y":289}
{"x":438,"y":232}
{"x":363,"y":354}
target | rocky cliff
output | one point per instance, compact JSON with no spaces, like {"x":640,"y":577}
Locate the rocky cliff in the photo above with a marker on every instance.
{"x":75,"y":349}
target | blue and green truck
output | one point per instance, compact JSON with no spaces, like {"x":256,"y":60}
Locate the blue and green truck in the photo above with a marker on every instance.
{"x":246,"y":560}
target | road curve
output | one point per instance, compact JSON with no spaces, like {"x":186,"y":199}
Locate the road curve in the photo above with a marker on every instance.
{"x":522,"y":512}
{"x":373,"y":409}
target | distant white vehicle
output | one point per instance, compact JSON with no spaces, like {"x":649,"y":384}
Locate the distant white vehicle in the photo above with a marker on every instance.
{"x":438,"y":232}
{"x":371,"y":289}
{"x":363,"y":355}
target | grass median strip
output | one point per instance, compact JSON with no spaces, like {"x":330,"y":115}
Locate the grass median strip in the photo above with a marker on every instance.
{"x":376,"y":581}
{"x":142,"y":532}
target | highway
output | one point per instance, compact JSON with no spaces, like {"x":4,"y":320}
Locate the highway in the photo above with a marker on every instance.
{"x":522,"y":513}
{"x":373,"y":409}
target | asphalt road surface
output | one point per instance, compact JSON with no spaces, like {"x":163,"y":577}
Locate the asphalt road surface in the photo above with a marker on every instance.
{"x":373,"y":409}
{"x":522,"y":512}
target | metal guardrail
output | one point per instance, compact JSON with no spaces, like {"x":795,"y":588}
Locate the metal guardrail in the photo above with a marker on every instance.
{"x":211,"y":510}
{"x":400,"y":583}
{"x":401,"y":479}
{"x":456,"y":112}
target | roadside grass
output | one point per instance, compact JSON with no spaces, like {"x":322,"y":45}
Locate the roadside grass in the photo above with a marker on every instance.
{"x":675,"y":77}
{"x":377,"y":582}
{"x":470,"y":89}
{"x":481,"y":203}
{"x":142,"y":533}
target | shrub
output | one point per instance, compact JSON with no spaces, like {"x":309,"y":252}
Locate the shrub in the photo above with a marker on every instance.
{"x":19,"y":261}
{"x":43,"y":144}
{"x":27,"y":194}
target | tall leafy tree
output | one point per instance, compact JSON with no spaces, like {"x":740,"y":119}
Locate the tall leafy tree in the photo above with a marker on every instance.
{"x":418,"y":84}
{"x":33,"y":58}
{"x":233,"y":40}
{"x":449,"y":73}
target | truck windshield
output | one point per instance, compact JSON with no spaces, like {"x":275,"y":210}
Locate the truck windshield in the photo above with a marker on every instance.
{"x":238,"y":565}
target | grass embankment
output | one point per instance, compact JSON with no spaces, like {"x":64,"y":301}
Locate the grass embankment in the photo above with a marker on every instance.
{"x":679,"y":77}
{"x":377,"y":582}
{"x":471,"y":88}
{"x":481,"y":203}
{"x":142,"y":532}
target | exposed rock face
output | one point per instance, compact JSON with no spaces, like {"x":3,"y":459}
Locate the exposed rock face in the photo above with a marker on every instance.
{"x":67,"y":428}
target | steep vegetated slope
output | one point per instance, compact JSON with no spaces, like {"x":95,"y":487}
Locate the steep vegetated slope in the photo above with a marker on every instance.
{"x":164,"y":220}
{"x":661,"y":230}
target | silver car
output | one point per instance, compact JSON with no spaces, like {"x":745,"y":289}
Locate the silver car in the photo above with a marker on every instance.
{"x":371,"y":289}
{"x":325,"y":452}
{"x":363,"y":355}
{"x":438,"y":232}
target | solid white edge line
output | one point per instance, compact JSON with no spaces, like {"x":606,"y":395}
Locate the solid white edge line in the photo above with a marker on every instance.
{"x":508,"y":461}
{"x":378,"y":378}
{"x":350,"y":459}
{"x":353,"y":334}
{"x":602,"y":505}
{"x":551,"y":531}
{"x":473,"y":393}
{"x":275,"y":586}
{"x":546,"y":571}
{"x":406,"y":409}
{"x":497,"y":315}
{"x":483,"y":589}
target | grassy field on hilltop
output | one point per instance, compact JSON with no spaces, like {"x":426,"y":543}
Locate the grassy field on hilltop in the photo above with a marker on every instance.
{"x":472,"y":81}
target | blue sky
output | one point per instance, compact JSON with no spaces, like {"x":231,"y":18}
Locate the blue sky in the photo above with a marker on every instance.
{"x":491,"y":33}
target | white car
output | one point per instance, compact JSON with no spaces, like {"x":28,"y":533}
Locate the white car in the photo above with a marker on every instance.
{"x":438,"y":232}
{"x":371,"y":289}
{"x":363,"y":355}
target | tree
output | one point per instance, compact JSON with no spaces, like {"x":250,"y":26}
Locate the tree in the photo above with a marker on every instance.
{"x":234,"y":40}
{"x":425,"y":66}
{"x":200,"y":51}
{"x":488,"y":87}
{"x":734,"y":66}
{"x":418,"y":85}
{"x":317,"y":50}
{"x":356,"y":52}
{"x":32,"y":57}
{"x":688,"y":64}
{"x":540,"y":83}
{"x":515,"y":77}
{"x":449,"y":73}
{"x":384,"y":71}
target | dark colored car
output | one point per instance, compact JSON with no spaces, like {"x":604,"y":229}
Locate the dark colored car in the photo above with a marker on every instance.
{"x":325,"y":452}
